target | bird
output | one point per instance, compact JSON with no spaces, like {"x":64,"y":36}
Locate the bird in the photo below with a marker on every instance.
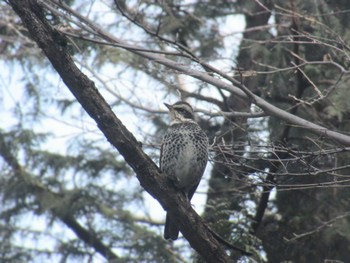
{"x":183,"y":155}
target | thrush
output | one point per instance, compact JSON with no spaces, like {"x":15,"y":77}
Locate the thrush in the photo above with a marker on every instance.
{"x":183,"y":156}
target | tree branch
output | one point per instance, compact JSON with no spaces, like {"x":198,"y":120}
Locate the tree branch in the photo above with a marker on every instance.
{"x":237,"y":88}
{"x":54,"y":45}
{"x":319,"y":228}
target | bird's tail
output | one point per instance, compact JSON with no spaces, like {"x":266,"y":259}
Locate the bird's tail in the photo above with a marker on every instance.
{"x":171,"y":232}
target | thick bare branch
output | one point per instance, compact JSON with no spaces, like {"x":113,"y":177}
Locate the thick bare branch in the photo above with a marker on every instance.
{"x":54,"y":47}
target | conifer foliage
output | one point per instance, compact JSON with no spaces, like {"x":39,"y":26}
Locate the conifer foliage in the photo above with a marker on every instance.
{"x":82,"y":91}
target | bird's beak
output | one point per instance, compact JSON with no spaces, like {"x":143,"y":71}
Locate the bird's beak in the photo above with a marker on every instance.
{"x":168,"y":106}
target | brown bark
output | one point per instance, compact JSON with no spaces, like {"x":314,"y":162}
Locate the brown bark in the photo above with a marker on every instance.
{"x":54,"y":46}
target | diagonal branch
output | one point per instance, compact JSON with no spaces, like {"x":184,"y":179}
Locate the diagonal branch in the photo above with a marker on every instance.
{"x":54,"y":46}
{"x":319,"y":228}
{"x":235,"y":87}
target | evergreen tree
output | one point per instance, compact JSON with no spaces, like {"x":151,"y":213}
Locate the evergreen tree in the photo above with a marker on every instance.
{"x":272,"y":99}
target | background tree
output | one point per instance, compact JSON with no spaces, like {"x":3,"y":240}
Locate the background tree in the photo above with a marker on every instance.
{"x":277,"y":186}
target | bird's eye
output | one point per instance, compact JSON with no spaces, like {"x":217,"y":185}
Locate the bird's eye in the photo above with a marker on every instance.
{"x":185,"y":113}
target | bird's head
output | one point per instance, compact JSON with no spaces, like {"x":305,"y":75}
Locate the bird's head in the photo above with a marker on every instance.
{"x":180,"y":112}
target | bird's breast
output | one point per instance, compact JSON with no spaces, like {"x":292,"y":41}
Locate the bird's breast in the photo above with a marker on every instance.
{"x":189,"y":166}
{"x":184,"y":155}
